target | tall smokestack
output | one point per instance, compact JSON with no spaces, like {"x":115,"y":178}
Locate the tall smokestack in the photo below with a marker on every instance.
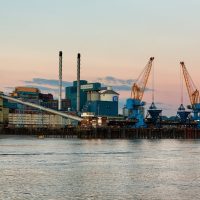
{"x":78,"y":81}
{"x":60,"y":82}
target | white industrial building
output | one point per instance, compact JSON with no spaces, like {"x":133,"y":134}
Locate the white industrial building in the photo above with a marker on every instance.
{"x":37,"y":120}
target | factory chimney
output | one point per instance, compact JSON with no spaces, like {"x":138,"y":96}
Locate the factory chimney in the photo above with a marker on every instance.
{"x":60,"y":82}
{"x":78,"y":82}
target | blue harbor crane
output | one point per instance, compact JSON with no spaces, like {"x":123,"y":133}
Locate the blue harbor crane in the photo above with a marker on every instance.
{"x":135,"y":105}
{"x":193,"y":93}
{"x":182,"y":114}
{"x":153,"y":113}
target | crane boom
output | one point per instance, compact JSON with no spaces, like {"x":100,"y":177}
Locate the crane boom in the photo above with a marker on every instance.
{"x":191,"y":88}
{"x":139,"y":86}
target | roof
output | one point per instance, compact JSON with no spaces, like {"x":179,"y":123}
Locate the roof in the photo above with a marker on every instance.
{"x":109,"y":92}
{"x":27,"y":89}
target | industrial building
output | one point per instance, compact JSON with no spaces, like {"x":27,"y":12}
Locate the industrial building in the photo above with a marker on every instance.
{"x":3,"y":113}
{"x":85,"y":87}
{"x":54,"y":104}
{"x":33,"y":95}
{"x":103,"y":108}
{"x":19,"y":115}
{"x":103,"y":102}
{"x":92,"y":98}
{"x":99,"y":100}
{"x":37,"y":120}
{"x":26,"y":93}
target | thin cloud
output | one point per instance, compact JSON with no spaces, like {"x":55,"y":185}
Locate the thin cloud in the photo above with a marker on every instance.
{"x":49,"y":82}
{"x":118,"y":84}
{"x":115,"y":81}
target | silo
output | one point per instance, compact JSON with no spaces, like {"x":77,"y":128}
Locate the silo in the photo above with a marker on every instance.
{"x":93,"y":96}
{"x":109,"y":95}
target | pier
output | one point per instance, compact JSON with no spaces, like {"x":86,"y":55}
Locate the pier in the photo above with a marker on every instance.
{"x":108,"y":133}
{"x":138,"y":133}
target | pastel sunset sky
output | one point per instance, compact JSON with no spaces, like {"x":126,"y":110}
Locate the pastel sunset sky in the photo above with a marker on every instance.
{"x":115,"y":39}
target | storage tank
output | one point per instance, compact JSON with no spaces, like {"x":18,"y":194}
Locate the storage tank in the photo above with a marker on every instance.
{"x":109,"y":95}
{"x":93,"y":96}
{"x":125,"y":111}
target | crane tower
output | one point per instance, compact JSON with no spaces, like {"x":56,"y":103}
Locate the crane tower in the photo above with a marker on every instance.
{"x":193,"y":93}
{"x":153,"y":113}
{"x":182,"y":114}
{"x":135,"y":105}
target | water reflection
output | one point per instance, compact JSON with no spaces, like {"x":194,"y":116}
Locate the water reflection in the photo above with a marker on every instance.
{"x":99,"y":169}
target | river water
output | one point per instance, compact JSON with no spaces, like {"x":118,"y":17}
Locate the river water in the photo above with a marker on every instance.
{"x":32,"y":168}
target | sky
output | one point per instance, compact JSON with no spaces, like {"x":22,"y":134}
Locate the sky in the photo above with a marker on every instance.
{"x":115,"y":38}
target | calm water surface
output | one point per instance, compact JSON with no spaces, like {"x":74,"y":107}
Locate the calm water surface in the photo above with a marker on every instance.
{"x":33,"y":168}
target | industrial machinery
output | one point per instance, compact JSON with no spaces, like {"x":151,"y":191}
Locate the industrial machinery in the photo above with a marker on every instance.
{"x":182,"y":114}
{"x":135,"y":105}
{"x":193,"y":93}
{"x":153,"y":114}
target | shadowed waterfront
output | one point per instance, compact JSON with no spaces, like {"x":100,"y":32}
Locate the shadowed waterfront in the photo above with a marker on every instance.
{"x":98,"y":169}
